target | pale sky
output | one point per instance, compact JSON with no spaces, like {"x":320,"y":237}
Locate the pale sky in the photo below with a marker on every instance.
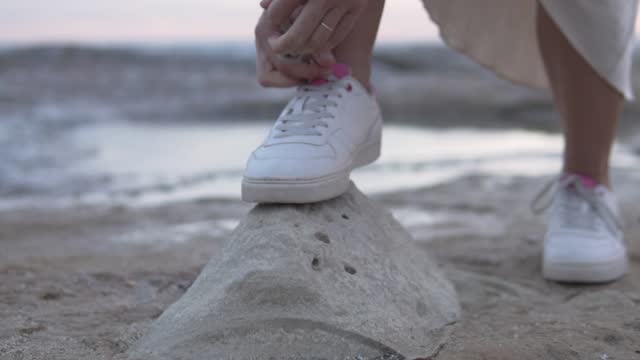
{"x":169,"y":20}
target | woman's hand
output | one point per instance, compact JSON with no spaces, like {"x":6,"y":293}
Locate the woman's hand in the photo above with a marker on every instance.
{"x":319,"y":27}
{"x":275,"y":70}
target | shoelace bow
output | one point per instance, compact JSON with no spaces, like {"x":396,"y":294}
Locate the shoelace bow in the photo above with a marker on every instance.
{"x":543,"y":200}
{"x":316,"y":100}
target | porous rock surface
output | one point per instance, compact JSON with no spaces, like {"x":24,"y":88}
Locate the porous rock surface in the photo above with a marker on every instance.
{"x":340,"y":279}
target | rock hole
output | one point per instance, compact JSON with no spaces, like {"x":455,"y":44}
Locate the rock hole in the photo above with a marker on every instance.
{"x":315,"y":264}
{"x":612,"y":339}
{"x":322,"y":237}
{"x":344,"y":216}
{"x":350,"y":269}
{"x":33,"y":329}
{"x":184,"y":286}
{"x":50,"y":295}
{"x":156,"y":314}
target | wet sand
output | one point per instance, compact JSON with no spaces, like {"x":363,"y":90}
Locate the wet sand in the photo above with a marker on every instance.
{"x":85,"y":282}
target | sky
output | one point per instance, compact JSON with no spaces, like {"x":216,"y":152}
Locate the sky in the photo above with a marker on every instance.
{"x":27,"y":21}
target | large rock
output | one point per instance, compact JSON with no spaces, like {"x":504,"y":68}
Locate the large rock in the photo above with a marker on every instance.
{"x":339,"y":279}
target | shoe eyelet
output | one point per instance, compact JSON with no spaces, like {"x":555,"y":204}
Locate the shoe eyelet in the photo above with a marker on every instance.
{"x":349,"y":87}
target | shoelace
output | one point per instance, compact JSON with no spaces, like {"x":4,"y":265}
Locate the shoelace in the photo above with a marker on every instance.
{"x":316,"y":100}
{"x":581,"y":196}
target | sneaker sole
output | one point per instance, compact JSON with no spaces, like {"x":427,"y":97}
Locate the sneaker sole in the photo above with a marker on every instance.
{"x":585,"y":273}
{"x":311,"y":190}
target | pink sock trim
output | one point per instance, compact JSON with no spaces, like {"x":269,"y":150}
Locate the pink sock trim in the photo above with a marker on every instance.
{"x":341,"y":70}
{"x":587,"y":181}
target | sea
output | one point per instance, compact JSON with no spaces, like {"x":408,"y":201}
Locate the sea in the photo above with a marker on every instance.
{"x":146,"y":124}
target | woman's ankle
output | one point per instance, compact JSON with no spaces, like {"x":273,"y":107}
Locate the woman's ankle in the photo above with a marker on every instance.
{"x":598,"y":176}
{"x":360,"y":67}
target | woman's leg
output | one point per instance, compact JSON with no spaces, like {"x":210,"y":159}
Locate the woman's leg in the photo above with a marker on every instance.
{"x":584,"y":240}
{"x":589,"y":106}
{"x":357,"y":49}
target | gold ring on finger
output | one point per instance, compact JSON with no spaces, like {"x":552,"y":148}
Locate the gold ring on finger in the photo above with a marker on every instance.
{"x":324,"y":25}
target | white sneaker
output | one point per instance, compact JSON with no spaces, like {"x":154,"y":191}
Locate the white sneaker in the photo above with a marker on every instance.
{"x":327,"y":130}
{"x":584,"y":241}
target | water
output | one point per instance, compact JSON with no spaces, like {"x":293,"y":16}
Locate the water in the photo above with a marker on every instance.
{"x":142,"y":125}
{"x":145,"y":164}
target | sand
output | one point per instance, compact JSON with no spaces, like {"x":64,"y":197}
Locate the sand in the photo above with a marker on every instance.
{"x":85,"y":282}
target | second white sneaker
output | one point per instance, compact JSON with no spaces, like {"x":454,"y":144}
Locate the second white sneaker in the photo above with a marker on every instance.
{"x":584,"y":241}
{"x":328,"y":129}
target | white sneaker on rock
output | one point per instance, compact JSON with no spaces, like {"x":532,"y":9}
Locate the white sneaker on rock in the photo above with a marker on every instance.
{"x":328,"y":129}
{"x":584,"y":241}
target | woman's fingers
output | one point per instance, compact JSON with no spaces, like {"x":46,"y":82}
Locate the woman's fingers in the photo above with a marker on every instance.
{"x":280,"y":11}
{"x":343,"y":29}
{"x":300,"y":70}
{"x":268,"y":75}
{"x":294,"y":41}
{"x":276,"y":79}
{"x":265,"y":4}
{"x":287,"y":74}
{"x":274,"y":70}
{"x":325,"y":59}
{"x":319,"y":41}
{"x":321,"y":25}
{"x":295,"y":68}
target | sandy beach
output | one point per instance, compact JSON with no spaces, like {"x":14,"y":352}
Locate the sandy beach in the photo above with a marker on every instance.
{"x":117,"y":186}
{"x":85,"y":282}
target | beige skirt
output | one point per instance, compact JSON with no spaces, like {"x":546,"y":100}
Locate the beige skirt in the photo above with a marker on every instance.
{"x":501,"y":35}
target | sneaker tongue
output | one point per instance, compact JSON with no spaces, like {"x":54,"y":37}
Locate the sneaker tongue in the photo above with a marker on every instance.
{"x":338,"y":72}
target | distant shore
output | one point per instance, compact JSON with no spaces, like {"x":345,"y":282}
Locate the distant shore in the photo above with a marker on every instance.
{"x":416,"y":83}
